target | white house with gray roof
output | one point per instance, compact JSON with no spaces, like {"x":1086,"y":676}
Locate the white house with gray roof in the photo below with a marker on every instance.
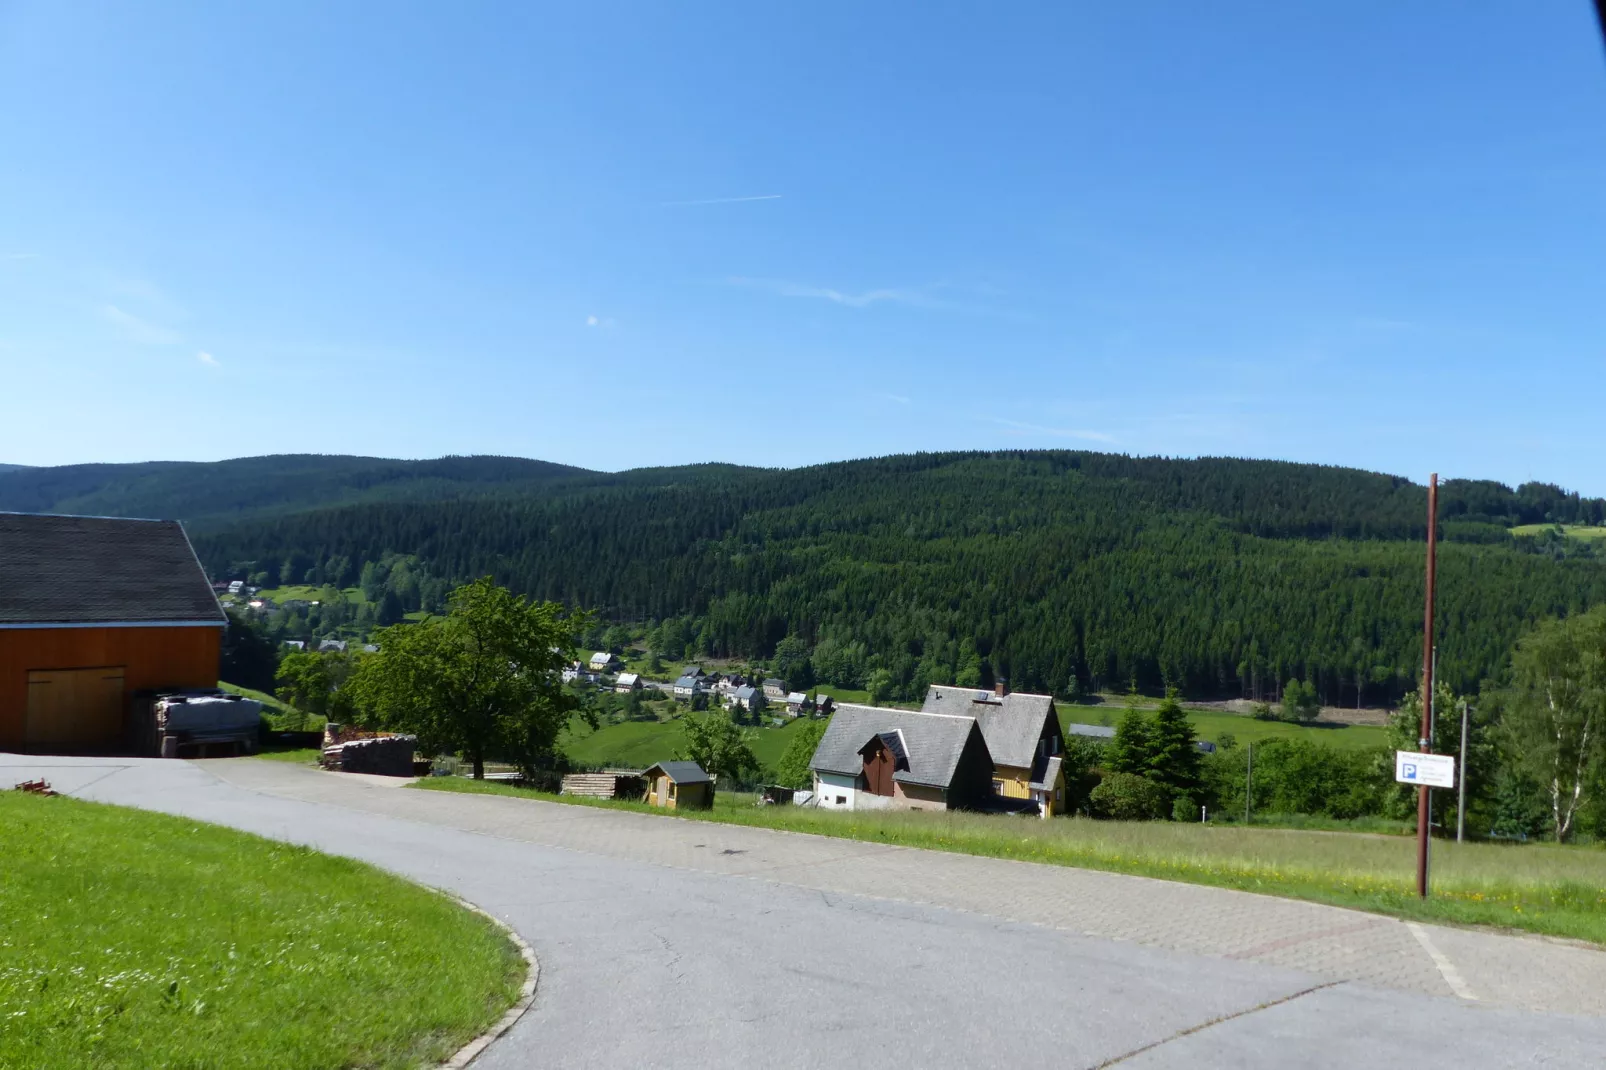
{"x":872,"y":758}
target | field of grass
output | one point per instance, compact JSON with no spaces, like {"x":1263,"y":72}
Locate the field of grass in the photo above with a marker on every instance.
{"x":305,"y":593}
{"x":843,"y":694}
{"x":139,"y":939}
{"x":1558,"y":891}
{"x":1210,"y":724}
{"x":1572,"y":531}
{"x":300,"y":755}
{"x":638,"y":744}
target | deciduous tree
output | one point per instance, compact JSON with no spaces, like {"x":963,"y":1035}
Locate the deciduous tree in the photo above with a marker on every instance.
{"x":482,"y":680}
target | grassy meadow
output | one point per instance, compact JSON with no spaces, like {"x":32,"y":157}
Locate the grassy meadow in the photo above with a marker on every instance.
{"x":1572,"y":531}
{"x":638,"y":744}
{"x":1557,"y":891}
{"x":130,"y":938}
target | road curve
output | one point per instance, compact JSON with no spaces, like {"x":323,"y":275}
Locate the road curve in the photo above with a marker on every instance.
{"x":675,"y":944}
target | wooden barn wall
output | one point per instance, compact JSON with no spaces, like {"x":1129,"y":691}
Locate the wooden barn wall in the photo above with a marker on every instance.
{"x":152,"y":658}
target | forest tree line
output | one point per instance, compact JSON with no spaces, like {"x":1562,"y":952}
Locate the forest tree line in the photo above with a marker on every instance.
{"x":1061,"y":571}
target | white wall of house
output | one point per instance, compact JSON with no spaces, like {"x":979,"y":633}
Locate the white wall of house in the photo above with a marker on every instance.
{"x":829,"y":788}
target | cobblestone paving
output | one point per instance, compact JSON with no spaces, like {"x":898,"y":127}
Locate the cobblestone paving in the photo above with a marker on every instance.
{"x":1326,"y":942}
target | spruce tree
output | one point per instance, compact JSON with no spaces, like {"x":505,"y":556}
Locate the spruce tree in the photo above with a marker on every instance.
{"x":1173,"y":750}
{"x":1132,"y":749}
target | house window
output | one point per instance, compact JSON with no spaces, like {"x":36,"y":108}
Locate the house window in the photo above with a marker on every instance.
{"x":998,"y":787}
{"x":841,"y":800}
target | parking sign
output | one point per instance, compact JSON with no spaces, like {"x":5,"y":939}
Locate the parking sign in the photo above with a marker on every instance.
{"x":1434,"y":770}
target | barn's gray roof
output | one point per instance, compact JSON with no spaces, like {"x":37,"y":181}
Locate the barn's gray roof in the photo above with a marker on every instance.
{"x":66,"y":570}
{"x":1095,"y":731}
{"x":687,"y":681}
{"x":933,"y":742}
{"x":1012,"y":725}
{"x":681,"y":772}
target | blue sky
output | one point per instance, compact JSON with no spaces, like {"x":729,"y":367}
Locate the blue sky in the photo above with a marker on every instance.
{"x":1369,"y":234}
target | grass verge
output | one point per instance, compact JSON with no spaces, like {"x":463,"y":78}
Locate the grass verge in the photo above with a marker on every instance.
{"x":1557,"y":891}
{"x":137,"y":939}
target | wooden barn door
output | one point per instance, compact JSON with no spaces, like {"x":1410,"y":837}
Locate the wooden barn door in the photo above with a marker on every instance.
{"x":878,"y":771}
{"x":74,"y":708}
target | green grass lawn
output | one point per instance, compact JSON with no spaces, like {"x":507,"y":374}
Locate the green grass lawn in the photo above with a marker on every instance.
{"x":280,"y":595}
{"x":638,"y":744}
{"x":137,"y":939}
{"x":1558,"y":891}
{"x":1572,"y":531}
{"x":1210,"y":724}
{"x":300,"y":755}
{"x":843,"y":694}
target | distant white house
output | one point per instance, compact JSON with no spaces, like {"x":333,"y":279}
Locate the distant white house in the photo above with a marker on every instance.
{"x":602,"y":661}
{"x":774,"y":688}
{"x":296,"y":644}
{"x":332,"y":644}
{"x":797,"y":703}
{"x":627,"y":681}
{"x":236,"y":586}
{"x":747,"y":697}
{"x":690,"y":687}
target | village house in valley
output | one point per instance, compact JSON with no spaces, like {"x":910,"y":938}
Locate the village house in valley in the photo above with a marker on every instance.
{"x":871,"y":758}
{"x":1023,"y":736}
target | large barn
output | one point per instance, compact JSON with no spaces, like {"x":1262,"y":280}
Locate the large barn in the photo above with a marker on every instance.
{"x":94,"y":610}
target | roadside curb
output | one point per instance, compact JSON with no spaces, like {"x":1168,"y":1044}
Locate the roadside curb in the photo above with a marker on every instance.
{"x":470,"y":1051}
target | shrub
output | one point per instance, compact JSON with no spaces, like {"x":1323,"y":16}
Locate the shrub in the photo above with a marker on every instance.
{"x":1128,"y":797}
{"x":1184,"y":809}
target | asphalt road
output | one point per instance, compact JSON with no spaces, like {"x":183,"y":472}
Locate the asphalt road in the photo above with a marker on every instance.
{"x":648,"y":960}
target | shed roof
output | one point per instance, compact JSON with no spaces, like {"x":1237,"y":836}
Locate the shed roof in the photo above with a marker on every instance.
{"x":746,"y":692}
{"x":1096,"y":731}
{"x":1043,"y":778}
{"x":932,"y":742}
{"x":67,"y":570}
{"x":1012,"y":725}
{"x":688,"y":681}
{"x":680,"y":772}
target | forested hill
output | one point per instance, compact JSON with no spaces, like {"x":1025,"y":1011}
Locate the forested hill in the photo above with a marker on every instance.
{"x":1222,"y":576}
{"x":210,"y":493}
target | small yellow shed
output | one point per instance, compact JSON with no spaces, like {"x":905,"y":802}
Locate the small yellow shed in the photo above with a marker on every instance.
{"x":679,"y":786}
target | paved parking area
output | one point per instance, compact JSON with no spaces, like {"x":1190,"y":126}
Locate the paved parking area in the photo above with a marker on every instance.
{"x":688,"y":943}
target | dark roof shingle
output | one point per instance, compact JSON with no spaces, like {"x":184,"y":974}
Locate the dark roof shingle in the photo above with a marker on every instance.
{"x":100,"y":570}
{"x":932,"y":743}
{"x":681,"y":772}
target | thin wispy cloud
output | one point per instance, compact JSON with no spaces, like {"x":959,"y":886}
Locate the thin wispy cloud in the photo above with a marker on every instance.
{"x":721,"y":200}
{"x":206,"y":358}
{"x":592,"y":321}
{"x":1055,"y":432}
{"x":782,"y":288}
{"x":19,"y":256}
{"x":138,"y":330}
{"x":898,"y":398}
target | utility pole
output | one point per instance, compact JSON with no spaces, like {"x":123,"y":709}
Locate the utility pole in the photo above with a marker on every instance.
{"x":1423,"y":813}
{"x":1461,"y":779}
{"x":1249,"y":782}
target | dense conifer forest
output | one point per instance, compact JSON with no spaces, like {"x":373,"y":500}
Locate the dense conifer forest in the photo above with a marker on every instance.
{"x":1062,"y":571}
